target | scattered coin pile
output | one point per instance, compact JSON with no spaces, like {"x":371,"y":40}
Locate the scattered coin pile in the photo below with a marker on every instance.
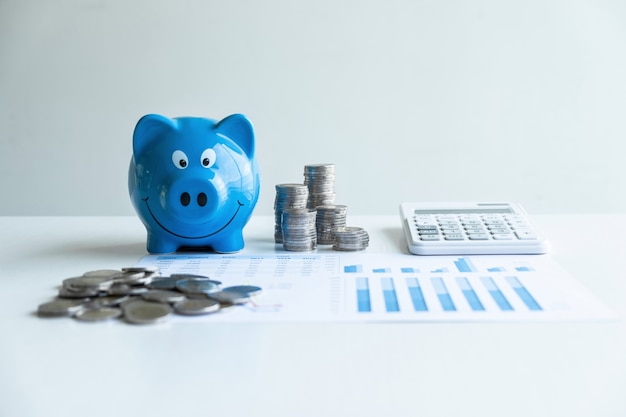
{"x":140,"y":295}
{"x":306,"y":214}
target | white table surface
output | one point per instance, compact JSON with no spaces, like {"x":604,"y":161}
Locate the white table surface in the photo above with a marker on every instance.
{"x":61,"y":367}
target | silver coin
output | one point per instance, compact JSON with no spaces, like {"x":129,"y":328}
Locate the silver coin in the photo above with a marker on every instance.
{"x":82,"y":282}
{"x":237,"y":294}
{"x":98,"y":314}
{"x":163,"y":296}
{"x":225,"y":306}
{"x":135,"y":277}
{"x":130,"y":299}
{"x":82,"y":293}
{"x":198,"y":285}
{"x":102,"y":273}
{"x":163,"y":283}
{"x":145,"y":312}
{"x":184,"y":276}
{"x":197,"y":306}
{"x":106,"y":301}
{"x":60,"y":308}
{"x":140,"y":269}
{"x":119,"y":289}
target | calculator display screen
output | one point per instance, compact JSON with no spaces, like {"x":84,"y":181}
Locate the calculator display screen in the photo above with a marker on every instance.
{"x":467,"y":211}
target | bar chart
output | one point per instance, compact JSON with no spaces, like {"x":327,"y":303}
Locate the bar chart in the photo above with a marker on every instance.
{"x":446,"y":285}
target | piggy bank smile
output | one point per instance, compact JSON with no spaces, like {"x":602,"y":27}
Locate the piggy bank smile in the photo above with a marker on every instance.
{"x":193,"y":181}
{"x":203,"y":227}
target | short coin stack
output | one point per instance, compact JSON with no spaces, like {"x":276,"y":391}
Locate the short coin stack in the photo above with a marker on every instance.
{"x":329,"y":219}
{"x":299,"y":233}
{"x":288,"y":196}
{"x":351,"y":239}
{"x":140,"y":295}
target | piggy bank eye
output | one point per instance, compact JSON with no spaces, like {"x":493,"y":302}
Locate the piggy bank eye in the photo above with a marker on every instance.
{"x":208,"y":158}
{"x":180,"y":159}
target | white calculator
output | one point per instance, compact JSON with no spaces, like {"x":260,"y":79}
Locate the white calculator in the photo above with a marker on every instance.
{"x":466,"y":228}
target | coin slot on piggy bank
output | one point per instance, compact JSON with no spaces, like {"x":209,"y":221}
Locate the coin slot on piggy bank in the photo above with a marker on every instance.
{"x":193,"y":181}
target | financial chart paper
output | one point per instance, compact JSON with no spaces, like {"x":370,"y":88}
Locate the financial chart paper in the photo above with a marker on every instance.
{"x":364,"y":287}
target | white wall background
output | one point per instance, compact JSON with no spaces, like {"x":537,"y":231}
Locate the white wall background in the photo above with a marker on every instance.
{"x":411,"y":99}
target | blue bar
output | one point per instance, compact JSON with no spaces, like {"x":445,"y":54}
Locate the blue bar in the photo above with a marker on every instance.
{"x":439,"y":271}
{"x":470,"y":294}
{"x":496,"y":294}
{"x":363,"y":302}
{"x":523,"y":269}
{"x":389,"y":293}
{"x":496,"y":269}
{"x":417,"y":297}
{"x":443,"y":294}
{"x":523,"y":293}
{"x":464,"y":265}
{"x":409,"y":270}
{"x":352,"y":268}
{"x":381,"y":270}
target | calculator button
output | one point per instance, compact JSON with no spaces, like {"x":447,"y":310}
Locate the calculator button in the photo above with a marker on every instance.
{"x":472,"y":223}
{"x":424,"y":218}
{"x":498,"y":231}
{"x":429,"y":232}
{"x":478,"y":236}
{"x":491,"y":217}
{"x":448,"y":222}
{"x":428,"y":238}
{"x":496,"y":224}
{"x":518,"y":223}
{"x":525,"y":235}
{"x":469,"y":217}
{"x":475,"y":229}
{"x":454,"y":236}
{"x":452,"y":231}
{"x":446,"y":217}
{"x":427,"y":227}
{"x":503,"y":236}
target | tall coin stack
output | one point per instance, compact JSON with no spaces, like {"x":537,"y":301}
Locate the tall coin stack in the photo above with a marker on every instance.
{"x":320,"y":179}
{"x":329,"y":219}
{"x":298,"y":226}
{"x":288,"y":196}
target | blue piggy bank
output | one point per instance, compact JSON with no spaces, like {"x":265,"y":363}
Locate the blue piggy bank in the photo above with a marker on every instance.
{"x":194,"y":181}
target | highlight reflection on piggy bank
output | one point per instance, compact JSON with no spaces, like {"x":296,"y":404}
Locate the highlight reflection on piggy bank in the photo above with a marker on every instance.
{"x":194,"y":181}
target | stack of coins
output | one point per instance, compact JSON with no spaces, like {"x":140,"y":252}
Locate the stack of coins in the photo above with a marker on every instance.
{"x":329,"y":218}
{"x":140,"y":295}
{"x":288,"y":196}
{"x":351,"y":239}
{"x":320,"y":179}
{"x":315,"y":198}
{"x":298,"y":226}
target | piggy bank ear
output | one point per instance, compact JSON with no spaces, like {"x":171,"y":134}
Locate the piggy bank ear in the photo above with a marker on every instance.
{"x":238,"y":128}
{"x":148,"y":128}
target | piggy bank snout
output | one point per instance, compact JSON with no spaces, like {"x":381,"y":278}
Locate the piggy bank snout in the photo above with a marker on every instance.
{"x":192,"y":201}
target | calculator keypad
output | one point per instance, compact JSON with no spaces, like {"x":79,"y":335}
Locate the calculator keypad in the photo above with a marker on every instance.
{"x":458,"y":227}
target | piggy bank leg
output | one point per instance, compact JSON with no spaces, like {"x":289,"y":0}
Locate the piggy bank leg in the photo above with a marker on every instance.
{"x":229,"y":244}
{"x":157,"y":244}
